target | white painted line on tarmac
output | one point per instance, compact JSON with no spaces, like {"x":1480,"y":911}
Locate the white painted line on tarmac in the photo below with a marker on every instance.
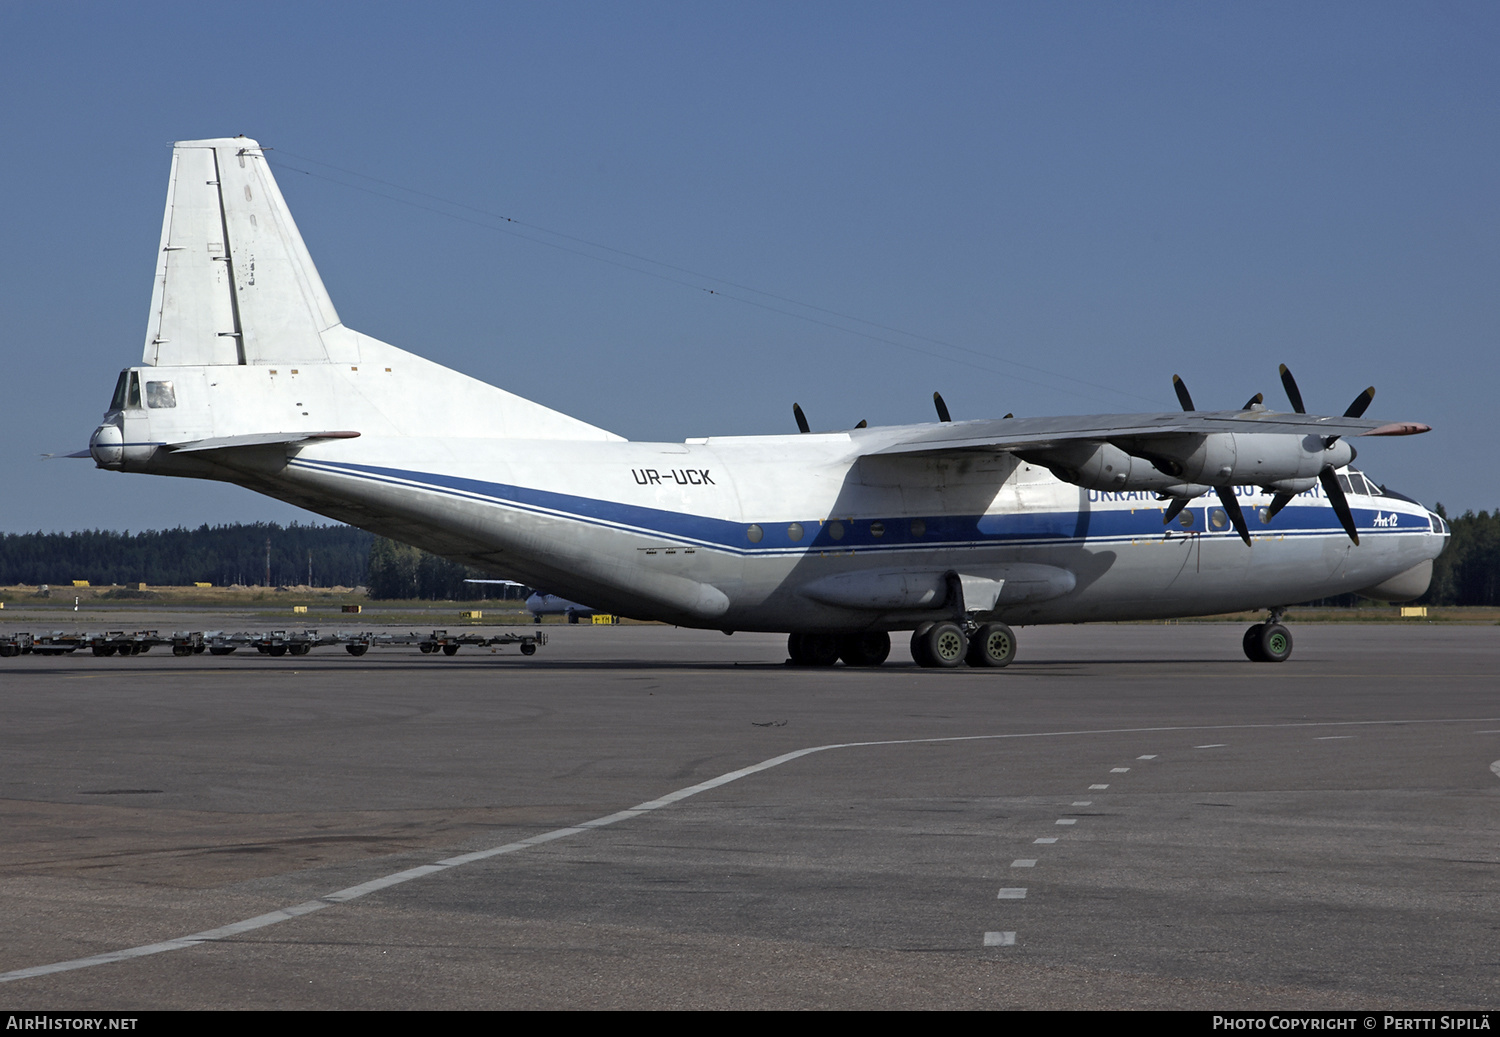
{"x":343,"y":896}
{"x":1012,"y":893}
{"x":1331,"y":738}
{"x":1495,"y":767}
{"x":1119,"y":770}
{"x":1151,"y":757}
{"x":1216,"y":745}
{"x":1024,"y":862}
{"x":1082,"y":803}
{"x":1099,"y":787}
{"x":999,"y":939}
{"x":1046,"y":839}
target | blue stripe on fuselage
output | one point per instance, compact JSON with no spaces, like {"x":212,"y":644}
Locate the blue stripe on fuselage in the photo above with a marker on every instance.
{"x":941,"y":530}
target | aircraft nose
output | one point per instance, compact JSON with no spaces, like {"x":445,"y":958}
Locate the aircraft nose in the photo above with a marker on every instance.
{"x":107,"y":446}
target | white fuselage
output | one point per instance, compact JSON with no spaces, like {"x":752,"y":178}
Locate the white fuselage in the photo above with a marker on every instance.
{"x":793,"y":532}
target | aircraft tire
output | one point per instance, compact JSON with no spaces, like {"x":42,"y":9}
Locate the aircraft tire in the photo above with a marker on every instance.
{"x":919,"y":645}
{"x":869,"y":648}
{"x":820,"y":649}
{"x":450,"y":649}
{"x":356,"y":649}
{"x":104,"y":650}
{"x":1252,"y":643}
{"x":182,"y":650}
{"x":943,"y":644}
{"x":528,"y":647}
{"x":1275,"y":643}
{"x":276,"y":650}
{"x":993,"y":644}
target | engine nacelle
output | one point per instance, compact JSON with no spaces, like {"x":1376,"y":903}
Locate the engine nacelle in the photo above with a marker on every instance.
{"x":1103,"y":466}
{"x":1280,"y":462}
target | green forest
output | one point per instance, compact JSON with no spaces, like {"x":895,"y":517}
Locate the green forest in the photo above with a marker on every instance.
{"x":267,"y":554}
{"x":255,"y":555}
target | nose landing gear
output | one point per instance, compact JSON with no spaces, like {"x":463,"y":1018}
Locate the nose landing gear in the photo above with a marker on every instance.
{"x":1269,"y":642}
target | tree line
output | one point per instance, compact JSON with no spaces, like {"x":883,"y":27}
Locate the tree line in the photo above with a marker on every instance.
{"x":250,"y":555}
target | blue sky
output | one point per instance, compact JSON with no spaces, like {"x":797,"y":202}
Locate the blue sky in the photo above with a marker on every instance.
{"x":1038,"y":208}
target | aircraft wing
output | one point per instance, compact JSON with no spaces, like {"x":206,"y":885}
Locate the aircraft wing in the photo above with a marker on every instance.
{"x":1005,"y":434}
{"x":258,"y":439}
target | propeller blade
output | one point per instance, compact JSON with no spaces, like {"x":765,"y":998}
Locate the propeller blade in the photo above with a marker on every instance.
{"x":1340,"y":503}
{"x":942,"y":408}
{"x":1255,"y":401}
{"x":1278,"y":502}
{"x":1173,"y":510}
{"x":1232,"y":509}
{"x":801,"y":418}
{"x":1183,"y":396}
{"x":1290,"y":385}
{"x":862,"y":424}
{"x":1357,"y":408}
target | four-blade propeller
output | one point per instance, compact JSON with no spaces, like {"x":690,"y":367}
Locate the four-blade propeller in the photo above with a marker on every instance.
{"x":1328,"y":478}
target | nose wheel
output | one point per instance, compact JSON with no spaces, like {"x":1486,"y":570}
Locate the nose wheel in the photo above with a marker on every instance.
{"x":1268,"y":643}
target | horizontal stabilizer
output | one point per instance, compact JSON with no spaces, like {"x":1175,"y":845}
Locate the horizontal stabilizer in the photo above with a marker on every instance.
{"x":259,"y":439}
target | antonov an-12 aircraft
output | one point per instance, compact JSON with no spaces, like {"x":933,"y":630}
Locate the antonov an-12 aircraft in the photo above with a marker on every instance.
{"x":953,"y":530}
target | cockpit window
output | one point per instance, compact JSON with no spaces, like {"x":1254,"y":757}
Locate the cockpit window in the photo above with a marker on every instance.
{"x":135,"y":389}
{"x":160,"y":394}
{"x":1345,"y":485}
{"x":117,"y":402}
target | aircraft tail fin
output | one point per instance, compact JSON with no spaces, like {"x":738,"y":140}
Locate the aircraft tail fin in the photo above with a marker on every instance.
{"x":234,"y":282}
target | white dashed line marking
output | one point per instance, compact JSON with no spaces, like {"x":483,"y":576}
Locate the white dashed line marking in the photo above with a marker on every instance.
{"x":1012,"y":893}
{"x":1118,"y":770}
{"x":1151,"y":757}
{"x":1099,"y":787}
{"x":1067,"y":820}
{"x":999,"y":939}
{"x":344,"y":895}
{"x":1024,"y":862}
{"x":1082,"y":803}
{"x":1047,"y":839}
{"x":1216,"y":745}
{"x":1331,"y":738}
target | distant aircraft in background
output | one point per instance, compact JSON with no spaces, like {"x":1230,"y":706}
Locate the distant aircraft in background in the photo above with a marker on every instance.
{"x":952,"y":530}
{"x":539,"y":604}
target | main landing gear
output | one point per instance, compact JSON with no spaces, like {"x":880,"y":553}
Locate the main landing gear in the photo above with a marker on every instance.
{"x":869,"y":648}
{"x":946,"y":644}
{"x":943,"y":645}
{"x":1269,"y":642}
